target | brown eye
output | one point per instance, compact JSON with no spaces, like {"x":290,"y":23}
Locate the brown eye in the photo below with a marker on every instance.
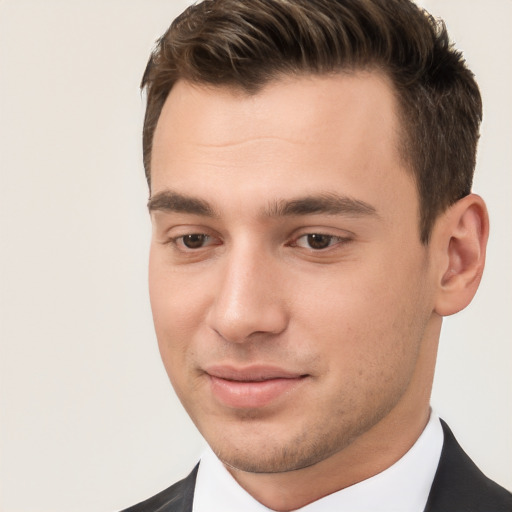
{"x":194,"y":241}
{"x":318,"y":241}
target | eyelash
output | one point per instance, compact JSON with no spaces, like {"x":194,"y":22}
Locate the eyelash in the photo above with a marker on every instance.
{"x":332,"y":241}
{"x":178,"y":241}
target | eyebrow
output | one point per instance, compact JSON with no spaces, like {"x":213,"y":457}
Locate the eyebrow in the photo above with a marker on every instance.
{"x":329,"y":204}
{"x":170,"y":201}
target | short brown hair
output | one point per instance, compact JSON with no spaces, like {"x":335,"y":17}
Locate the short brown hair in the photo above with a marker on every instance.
{"x":247,"y":43}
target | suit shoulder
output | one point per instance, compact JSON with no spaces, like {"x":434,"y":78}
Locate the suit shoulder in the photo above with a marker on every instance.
{"x":176,"y":498}
{"x":459,"y":484}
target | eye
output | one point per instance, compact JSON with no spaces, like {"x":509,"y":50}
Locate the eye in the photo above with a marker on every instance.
{"x":193,"y":241}
{"x":318,"y":241}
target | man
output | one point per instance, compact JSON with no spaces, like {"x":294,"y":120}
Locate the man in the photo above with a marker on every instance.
{"x":310,"y":167}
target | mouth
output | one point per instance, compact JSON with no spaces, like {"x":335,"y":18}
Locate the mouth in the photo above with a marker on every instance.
{"x":252,"y":387}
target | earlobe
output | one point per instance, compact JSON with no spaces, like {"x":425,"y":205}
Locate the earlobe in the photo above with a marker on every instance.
{"x":462,"y":240}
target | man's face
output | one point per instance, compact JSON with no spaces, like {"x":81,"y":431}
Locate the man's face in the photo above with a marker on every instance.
{"x":291,"y":295}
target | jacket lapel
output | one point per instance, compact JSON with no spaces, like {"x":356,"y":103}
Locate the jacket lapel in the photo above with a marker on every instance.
{"x":460,"y":486}
{"x":176,"y":498}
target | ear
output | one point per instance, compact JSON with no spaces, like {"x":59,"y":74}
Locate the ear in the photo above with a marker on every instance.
{"x":461,"y":235}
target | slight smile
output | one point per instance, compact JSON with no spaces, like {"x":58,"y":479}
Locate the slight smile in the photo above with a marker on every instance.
{"x":251,"y":387}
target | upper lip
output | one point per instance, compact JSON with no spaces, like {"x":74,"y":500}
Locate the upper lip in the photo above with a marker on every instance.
{"x":253,"y":373}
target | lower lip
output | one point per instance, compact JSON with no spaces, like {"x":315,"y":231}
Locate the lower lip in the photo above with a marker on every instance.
{"x":251,"y":394}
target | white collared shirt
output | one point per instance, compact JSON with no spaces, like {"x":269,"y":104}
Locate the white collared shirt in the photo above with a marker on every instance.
{"x":403,"y":487}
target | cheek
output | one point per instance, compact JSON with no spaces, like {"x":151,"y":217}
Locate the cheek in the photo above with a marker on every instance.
{"x":370,"y":359}
{"x":174,"y":305}
{"x":174,"y":320}
{"x":176,"y":297}
{"x":370,"y":324}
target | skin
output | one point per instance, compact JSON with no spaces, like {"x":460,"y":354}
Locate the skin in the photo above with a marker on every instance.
{"x":353,"y":313}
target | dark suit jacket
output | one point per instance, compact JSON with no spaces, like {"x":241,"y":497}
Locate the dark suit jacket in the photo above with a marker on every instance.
{"x":459,"y":486}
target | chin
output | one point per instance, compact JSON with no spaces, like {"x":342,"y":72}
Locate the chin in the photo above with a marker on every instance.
{"x":262,"y":456}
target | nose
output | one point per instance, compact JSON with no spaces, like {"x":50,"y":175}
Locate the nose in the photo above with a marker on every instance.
{"x":249,"y":299}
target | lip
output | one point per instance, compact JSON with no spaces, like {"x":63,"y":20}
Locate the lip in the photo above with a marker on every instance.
{"x":251,"y":387}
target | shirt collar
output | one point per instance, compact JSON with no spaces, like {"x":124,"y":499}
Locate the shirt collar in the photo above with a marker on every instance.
{"x":403,"y":487}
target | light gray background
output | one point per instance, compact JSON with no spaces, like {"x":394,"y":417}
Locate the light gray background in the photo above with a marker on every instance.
{"x":88,"y":418}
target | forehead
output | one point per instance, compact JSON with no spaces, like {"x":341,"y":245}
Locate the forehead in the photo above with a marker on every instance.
{"x":302,"y":134}
{"x":292,"y":106}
